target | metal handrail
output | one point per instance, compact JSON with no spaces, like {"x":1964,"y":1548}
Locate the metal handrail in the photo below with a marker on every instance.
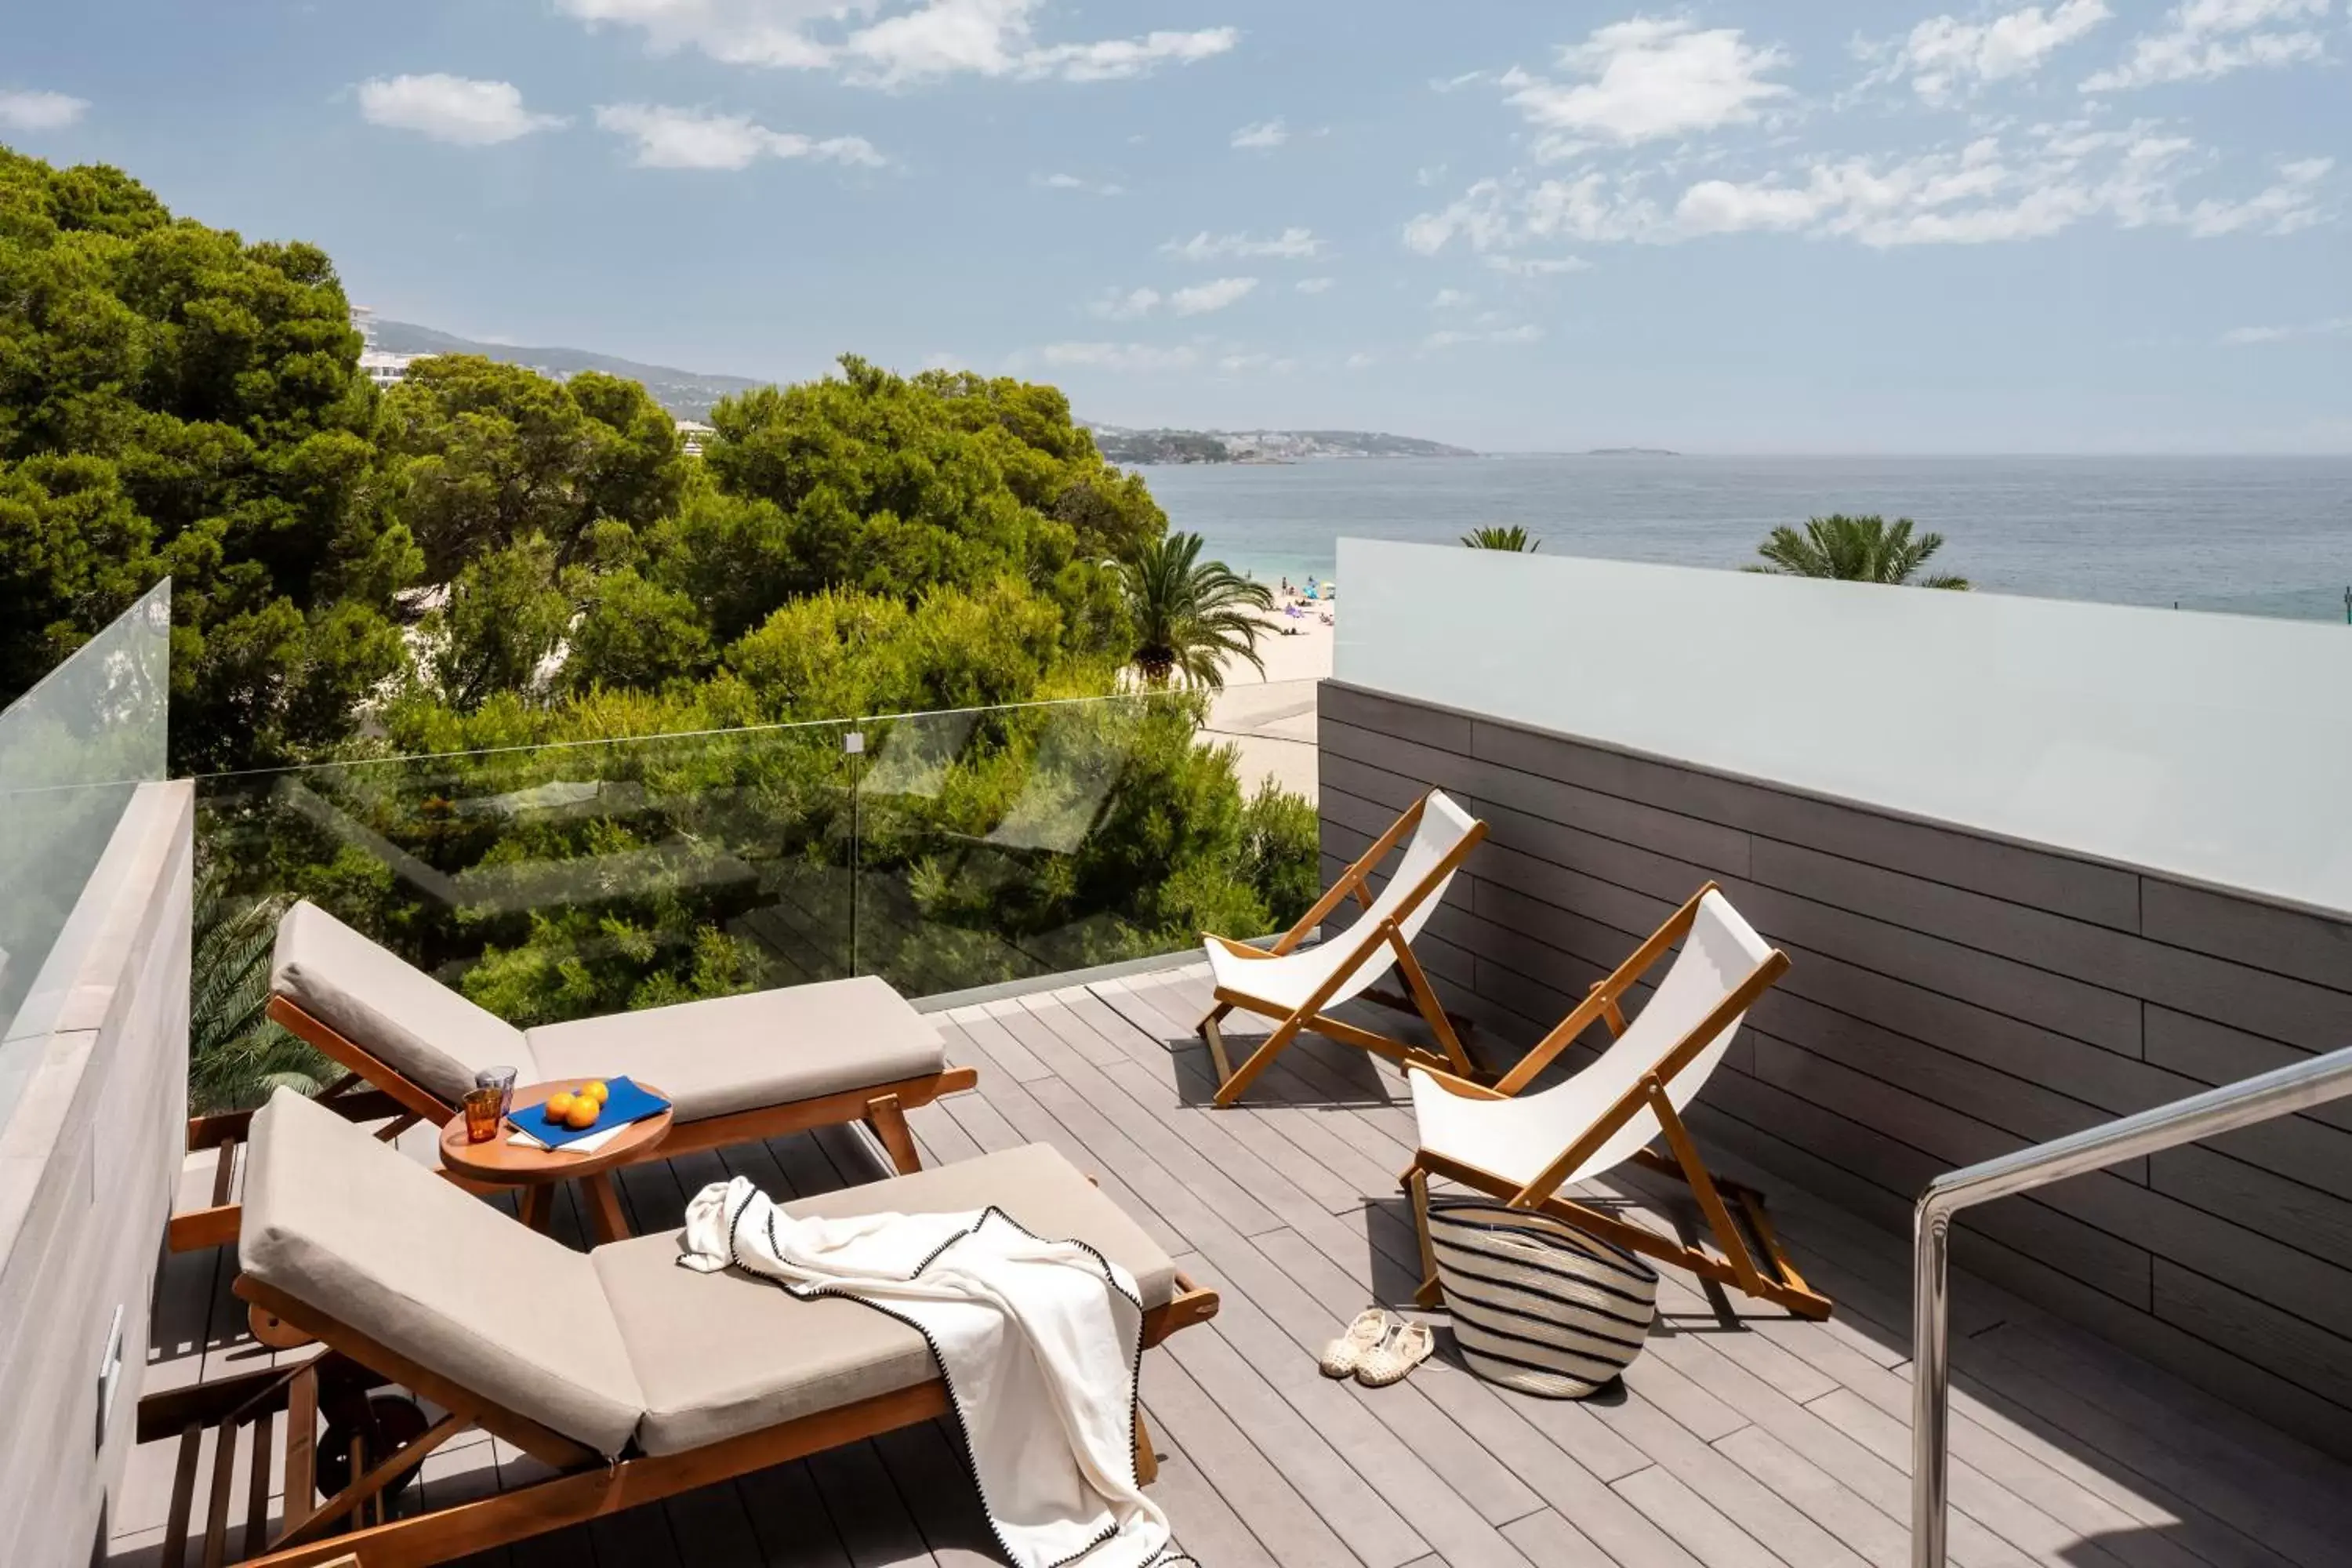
{"x":2273,"y":1094}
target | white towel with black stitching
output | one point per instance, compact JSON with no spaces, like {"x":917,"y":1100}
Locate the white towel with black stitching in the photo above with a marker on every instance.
{"x":1038,"y":1340}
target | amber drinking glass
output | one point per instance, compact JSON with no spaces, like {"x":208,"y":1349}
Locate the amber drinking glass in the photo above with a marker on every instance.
{"x":484,"y":1107}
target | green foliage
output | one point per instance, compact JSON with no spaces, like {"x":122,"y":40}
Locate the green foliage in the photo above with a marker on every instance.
{"x":1190,"y":615}
{"x":235,"y":1055}
{"x":480,"y":456}
{"x":638,"y":633}
{"x":1496,"y":537}
{"x":1853,"y":550}
{"x":172,"y":398}
{"x":617,"y":667}
{"x":503,"y":623}
{"x":74,"y":554}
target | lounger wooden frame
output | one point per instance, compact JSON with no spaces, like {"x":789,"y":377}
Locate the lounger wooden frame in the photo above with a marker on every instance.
{"x":373,"y":1091}
{"x":1364,"y":939}
{"x":1749,"y":1256}
{"x":313,"y":1534}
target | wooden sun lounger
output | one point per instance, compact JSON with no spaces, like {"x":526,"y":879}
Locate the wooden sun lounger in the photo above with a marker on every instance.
{"x":374,"y":1090}
{"x":336,"y":1383}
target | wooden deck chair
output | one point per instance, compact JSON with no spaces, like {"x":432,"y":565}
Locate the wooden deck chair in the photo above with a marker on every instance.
{"x":1296,"y":987}
{"x":1524,"y":1148}
{"x":737,"y":1069}
{"x":632,"y":1378}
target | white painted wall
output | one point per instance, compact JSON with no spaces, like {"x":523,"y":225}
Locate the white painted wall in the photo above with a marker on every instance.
{"x":87,"y":1163}
{"x":2213,"y":747}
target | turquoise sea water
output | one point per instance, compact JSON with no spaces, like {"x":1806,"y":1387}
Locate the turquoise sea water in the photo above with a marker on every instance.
{"x":2256,"y":535}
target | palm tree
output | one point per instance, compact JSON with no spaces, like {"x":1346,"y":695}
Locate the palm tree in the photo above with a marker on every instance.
{"x":1191,"y":614}
{"x":235,"y":1055}
{"x":1853,"y":550}
{"x":1511,"y":537}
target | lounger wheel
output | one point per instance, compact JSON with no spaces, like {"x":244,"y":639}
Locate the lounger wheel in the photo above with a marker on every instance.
{"x":387,"y":1422}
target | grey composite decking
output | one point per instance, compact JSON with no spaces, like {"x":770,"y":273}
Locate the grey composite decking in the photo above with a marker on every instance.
{"x":1741,"y":1438}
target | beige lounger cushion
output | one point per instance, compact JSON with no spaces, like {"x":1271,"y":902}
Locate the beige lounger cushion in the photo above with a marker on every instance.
{"x":746,"y":1053}
{"x":722,"y":1354}
{"x":355,"y":1228}
{"x":404,"y":1017}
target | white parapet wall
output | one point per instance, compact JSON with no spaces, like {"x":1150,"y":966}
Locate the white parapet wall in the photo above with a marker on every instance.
{"x":88,"y":1162}
{"x":2213,"y":747}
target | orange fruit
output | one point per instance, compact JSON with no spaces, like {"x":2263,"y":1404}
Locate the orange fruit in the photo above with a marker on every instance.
{"x":597,"y":1089}
{"x":583,"y":1114}
{"x":559,"y":1106}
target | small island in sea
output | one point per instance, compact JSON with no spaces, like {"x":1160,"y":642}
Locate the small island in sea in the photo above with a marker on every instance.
{"x":1631,"y":452}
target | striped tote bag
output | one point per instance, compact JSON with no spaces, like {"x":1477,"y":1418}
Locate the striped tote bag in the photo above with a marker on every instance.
{"x":1539,"y":1306}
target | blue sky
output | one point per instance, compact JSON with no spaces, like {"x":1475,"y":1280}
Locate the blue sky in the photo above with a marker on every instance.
{"x":2080,"y":225}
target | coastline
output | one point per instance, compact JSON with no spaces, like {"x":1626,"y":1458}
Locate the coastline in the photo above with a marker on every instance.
{"x":1269,"y":717}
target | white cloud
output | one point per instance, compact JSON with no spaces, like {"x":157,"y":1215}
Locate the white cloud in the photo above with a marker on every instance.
{"x":924,"y":40}
{"x":21,"y":111}
{"x":1526,"y":333}
{"x":1992,"y":188}
{"x":2287,"y":206}
{"x":1119,"y":356}
{"x":1060,"y":182}
{"x":1128,"y":306}
{"x":947,"y":362}
{"x":454,"y":109}
{"x":699,"y":139}
{"x":1265,"y":136}
{"x":2205,"y":38}
{"x":2334,"y":327}
{"x":1650,"y":78}
{"x":1947,"y":57}
{"x":1537,"y":266}
{"x":1317,"y":284}
{"x":1202,"y":297}
{"x":1272,"y":364}
{"x":1362,"y":361}
{"x":1449,"y":299}
{"x":1290,"y":245}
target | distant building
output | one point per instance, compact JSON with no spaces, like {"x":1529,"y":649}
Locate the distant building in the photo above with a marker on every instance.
{"x":379,"y":365}
{"x":692,"y":434}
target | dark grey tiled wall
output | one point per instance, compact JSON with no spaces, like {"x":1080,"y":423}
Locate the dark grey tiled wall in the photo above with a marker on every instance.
{"x":1951,"y":998}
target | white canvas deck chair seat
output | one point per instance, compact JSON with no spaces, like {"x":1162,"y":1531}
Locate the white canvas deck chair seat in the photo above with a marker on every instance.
{"x":1526,"y":1148}
{"x":1297,"y":987}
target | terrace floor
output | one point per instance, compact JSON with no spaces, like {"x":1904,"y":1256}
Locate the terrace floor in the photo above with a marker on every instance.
{"x":1742,"y":1437}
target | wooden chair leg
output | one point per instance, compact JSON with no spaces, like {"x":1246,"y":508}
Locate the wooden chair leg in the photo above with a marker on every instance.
{"x":1425,"y":998}
{"x":301,"y":1449}
{"x":1216,"y":1038}
{"x":1710,"y":1201}
{"x":606,"y":1222}
{"x":1147,"y":1463}
{"x":1429,"y":1293}
{"x":1240,"y":1078}
{"x":887,"y":1120}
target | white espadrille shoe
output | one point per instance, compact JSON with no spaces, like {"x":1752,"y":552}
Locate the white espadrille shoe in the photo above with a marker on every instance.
{"x":1395,"y":1356}
{"x":1343,"y":1356}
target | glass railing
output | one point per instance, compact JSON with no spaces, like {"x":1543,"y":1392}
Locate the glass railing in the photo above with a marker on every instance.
{"x":72,"y":750}
{"x":941,"y":851}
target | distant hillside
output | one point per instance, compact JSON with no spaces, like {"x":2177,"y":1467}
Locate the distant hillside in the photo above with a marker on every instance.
{"x":1121,"y":445}
{"x":687,"y":393}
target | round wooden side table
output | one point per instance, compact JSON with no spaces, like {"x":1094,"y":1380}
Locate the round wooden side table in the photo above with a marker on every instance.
{"x":536,"y":1172}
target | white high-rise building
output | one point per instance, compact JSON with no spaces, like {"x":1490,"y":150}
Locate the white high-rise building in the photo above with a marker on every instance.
{"x":379,"y":365}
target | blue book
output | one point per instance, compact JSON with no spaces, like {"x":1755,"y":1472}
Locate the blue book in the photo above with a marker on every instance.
{"x":624,"y":1104}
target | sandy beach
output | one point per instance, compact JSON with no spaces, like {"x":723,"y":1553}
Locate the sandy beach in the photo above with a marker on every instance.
{"x":1269,"y":717}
